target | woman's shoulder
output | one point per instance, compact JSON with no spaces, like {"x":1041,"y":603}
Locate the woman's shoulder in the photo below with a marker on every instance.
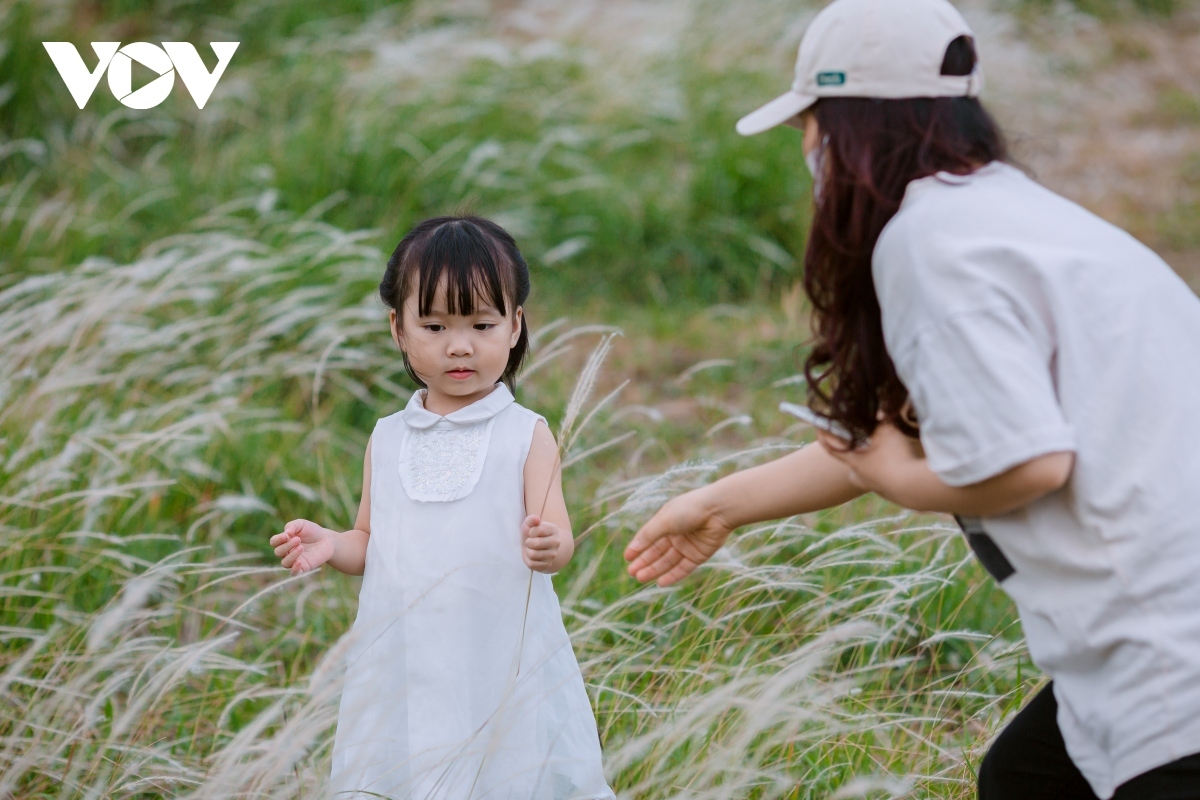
{"x":955,"y":243}
{"x":930,"y":203}
{"x":946,"y":221}
{"x":951,"y":225}
{"x":997,"y":201}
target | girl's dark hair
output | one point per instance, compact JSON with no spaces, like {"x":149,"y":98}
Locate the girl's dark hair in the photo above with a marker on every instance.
{"x":478,"y":260}
{"x":874,"y":149}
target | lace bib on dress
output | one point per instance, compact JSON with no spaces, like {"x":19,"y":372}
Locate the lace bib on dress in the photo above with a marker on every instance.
{"x":441,"y":458}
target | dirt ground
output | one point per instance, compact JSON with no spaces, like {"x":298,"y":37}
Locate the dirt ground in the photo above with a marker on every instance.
{"x":1107,"y":113}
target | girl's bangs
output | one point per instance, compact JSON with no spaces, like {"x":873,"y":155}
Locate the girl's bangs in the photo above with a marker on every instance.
{"x":459,"y":256}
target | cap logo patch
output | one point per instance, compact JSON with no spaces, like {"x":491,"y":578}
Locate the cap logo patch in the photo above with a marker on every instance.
{"x":831,"y":78}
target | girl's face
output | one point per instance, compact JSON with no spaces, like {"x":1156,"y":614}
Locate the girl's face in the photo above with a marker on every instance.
{"x":459,"y":357}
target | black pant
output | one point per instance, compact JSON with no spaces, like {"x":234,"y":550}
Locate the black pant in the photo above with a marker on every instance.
{"x":1028,"y":761}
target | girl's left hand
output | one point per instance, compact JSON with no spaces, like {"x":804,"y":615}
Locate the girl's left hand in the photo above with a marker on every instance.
{"x":883,"y":465}
{"x":541,"y":542}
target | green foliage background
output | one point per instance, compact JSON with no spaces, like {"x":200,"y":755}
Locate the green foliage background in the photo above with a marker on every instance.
{"x":661,"y":203}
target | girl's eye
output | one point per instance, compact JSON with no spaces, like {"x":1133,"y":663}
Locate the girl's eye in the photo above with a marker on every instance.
{"x":433,"y":327}
{"x":484,"y":326}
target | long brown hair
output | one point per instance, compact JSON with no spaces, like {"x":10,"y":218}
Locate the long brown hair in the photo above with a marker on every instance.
{"x":872,"y":150}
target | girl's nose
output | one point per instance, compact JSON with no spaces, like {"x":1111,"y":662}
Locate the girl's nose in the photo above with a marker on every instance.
{"x":461,"y":346}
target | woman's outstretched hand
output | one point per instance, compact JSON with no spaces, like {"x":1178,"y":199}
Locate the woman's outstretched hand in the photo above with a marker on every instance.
{"x":303,"y":545}
{"x":680,"y":537}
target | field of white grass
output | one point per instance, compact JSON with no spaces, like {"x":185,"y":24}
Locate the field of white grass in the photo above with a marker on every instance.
{"x":192,"y":352}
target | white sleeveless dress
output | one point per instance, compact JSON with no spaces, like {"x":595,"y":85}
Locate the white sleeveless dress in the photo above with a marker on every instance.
{"x":447,"y":695}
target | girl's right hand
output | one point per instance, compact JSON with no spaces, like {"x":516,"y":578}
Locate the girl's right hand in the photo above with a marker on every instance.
{"x":684,"y":534}
{"x":303,"y":545}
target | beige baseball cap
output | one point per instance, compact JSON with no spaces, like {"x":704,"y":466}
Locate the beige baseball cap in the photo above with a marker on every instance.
{"x":871,"y":48}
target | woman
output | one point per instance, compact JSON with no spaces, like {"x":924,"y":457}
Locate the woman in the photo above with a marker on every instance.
{"x":1049,"y":365}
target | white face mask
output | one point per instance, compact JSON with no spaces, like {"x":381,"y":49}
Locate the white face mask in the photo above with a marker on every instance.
{"x":815,"y":159}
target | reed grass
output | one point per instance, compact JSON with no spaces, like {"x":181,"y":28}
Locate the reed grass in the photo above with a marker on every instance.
{"x":192,"y":352}
{"x":163,"y":417}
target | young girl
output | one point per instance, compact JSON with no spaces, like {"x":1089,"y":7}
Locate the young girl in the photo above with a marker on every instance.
{"x":1048,"y":362}
{"x":461,"y":682}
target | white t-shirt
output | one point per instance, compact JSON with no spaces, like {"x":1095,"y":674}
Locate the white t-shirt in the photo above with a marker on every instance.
{"x":1021,"y":325}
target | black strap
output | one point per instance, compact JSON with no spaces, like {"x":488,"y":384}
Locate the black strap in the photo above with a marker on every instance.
{"x":986,"y":549}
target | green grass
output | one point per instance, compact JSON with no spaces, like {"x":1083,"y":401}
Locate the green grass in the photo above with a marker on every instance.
{"x":191,"y":353}
{"x":604,"y":194}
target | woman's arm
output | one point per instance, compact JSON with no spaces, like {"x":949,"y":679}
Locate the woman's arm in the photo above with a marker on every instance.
{"x":690,"y":528}
{"x":305,"y":545}
{"x":547,"y":543}
{"x":800,"y":482}
{"x":888,"y":466}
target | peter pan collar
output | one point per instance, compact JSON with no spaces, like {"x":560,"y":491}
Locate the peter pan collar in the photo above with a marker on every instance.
{"x":482,"y":409}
